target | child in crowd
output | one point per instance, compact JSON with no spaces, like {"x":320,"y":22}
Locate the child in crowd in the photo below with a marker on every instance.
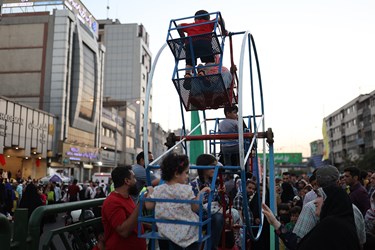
{"x":294,"y":214}
{"x":42,"y":195}
{"x":283,"y":212}
{"x":175,"y":173}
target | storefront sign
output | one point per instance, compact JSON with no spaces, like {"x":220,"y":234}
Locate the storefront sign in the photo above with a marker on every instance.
{"x":73,"y":5}
{"x":80,"y":153}
{"x":11,"y":118}
{"x":25,"y":128}
{"x":42,"y":127}
{"x":285,"y":158}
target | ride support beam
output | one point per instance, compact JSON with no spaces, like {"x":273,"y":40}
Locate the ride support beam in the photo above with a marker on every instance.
{"x":268,"y":134}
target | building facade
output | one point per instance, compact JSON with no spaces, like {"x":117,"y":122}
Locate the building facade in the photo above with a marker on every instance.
{"x":127,"y":68}
{"x":52,"y":61}
{"x":159,"y":137}
{"x":351,"y":129}
{"x":118,"y":135}
{"x":26,"y":139}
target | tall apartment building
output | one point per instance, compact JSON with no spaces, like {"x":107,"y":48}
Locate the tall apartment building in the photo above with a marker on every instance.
{"x":127,"y":68}
{"x":351,"y":129}
{"x":159,"y":137}
{"x":51,"y":60}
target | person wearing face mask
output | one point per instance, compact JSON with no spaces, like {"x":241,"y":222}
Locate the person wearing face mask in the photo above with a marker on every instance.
{"x":333,"y":226}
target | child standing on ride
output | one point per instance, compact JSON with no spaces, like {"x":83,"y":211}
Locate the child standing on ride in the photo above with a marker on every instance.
{"x":204,"y":180}
{"x":201,"y":45}
{"x":175,"y":173}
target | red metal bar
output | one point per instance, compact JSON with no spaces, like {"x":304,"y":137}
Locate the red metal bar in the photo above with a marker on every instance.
{"x":219,"y":136}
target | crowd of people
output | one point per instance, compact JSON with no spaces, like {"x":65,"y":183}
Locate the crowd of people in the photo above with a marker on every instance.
{"x":328,"y":210}
{"x":31,"y":193}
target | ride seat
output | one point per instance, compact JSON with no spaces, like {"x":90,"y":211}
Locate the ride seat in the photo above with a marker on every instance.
{"x":182,"y":47}
{"x":202,"y":92}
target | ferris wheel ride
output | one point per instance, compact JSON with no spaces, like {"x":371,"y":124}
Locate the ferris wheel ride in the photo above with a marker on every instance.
{"x":203,"y":92}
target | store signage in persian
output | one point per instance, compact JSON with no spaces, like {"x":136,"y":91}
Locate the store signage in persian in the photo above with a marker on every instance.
{"x":11,"y":118}
{"x":83,"y":14}
{"x":75,"y":153}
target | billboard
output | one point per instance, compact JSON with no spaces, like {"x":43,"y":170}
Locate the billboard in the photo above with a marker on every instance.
{"x":75,"y":6}
{"x":30,"y":3}
{"x":83,"y":14}
{"x":285,"y":158}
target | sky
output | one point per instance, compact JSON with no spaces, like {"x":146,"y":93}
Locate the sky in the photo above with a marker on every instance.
{"x":315,"y":56}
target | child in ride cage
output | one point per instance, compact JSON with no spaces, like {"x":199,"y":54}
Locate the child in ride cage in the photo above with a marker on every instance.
{"x":175,"y":173}
{"x":201,"y":45}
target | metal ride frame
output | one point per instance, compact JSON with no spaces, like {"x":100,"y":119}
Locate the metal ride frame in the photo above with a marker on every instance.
{"x":259,"y":133}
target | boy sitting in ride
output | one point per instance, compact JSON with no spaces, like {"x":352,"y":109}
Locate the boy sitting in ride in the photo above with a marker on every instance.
{"x":201,"y":45}
{"x":225,"y":72}
{"x":211,"y":93}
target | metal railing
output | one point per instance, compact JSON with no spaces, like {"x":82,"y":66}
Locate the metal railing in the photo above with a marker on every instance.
{"x":27,"y":231}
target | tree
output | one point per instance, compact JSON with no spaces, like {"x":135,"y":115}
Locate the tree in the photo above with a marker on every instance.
{"x":368,"y":161}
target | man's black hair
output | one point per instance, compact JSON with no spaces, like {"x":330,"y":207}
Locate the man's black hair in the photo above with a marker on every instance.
{"x":141,"y":156}
{"x":229,"y":109}
{"x":354,"y":171}
{"x":119,"y":174}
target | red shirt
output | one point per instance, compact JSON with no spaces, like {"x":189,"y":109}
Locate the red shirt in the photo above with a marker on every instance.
{"x":73,"y":191}
{"x":115,"y":210}
{"x":198,"y":29}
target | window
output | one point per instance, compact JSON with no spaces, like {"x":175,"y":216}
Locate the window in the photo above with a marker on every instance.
{"x":130,"y":127}
{"x":129,"y":142}
{"x":130,"y":113}
{"x":86,"y":108}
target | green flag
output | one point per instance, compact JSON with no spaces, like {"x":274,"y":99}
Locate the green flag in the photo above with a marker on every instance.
{"x":196,"y":147}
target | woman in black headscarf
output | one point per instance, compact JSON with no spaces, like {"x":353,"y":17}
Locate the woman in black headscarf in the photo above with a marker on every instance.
{"x":335,"y":231}
{"x":30,"y":198}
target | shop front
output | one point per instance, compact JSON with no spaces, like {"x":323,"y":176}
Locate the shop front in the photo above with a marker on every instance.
{"x":26,"y":140}
{"x":80,"y":161}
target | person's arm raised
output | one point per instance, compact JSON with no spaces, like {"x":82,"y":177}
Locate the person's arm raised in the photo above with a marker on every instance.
{"x":270,"y":217}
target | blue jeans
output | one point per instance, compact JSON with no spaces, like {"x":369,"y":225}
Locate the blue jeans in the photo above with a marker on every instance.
{"x":231,"y":159}
{"x":217,"y":223}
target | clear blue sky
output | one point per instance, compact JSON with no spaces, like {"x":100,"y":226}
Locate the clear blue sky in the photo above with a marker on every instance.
{"x":315,"y":56}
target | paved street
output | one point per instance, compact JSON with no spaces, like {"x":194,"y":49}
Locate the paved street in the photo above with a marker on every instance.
{"x":50,"y":226}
